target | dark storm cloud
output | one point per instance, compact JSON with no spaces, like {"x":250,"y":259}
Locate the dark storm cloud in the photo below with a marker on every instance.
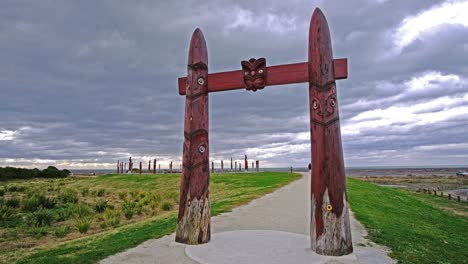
{"x":87,"y":83}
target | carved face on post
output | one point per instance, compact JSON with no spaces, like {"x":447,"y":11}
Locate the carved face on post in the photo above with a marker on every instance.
{"x":254,"y":74}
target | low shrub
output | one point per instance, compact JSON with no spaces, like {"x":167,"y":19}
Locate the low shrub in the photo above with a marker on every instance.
{"x":13,"y":202}
{"x":83,"y":224}
{"x":111,"y":218}
{"x":128,"y":208}
{"x":61,"y":231}
{"x":100,"y":206}
{"x":167,"y":206}
{"x":41,"y":217}
{"x":69,"y":196}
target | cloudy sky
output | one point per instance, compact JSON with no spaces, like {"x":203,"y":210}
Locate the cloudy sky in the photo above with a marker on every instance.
{"x":84,"y":83}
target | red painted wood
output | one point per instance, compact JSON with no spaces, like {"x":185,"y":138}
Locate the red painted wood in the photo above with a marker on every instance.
{"x":277,"y":75}
{"x":246,"y":163}
{"x":340,"y":68}
{"x":193,"y":225}
{"x":330,"y":233}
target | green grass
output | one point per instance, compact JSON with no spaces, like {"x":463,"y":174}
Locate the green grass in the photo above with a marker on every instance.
{"x":227,"y":191}
{"x":412,"y":226}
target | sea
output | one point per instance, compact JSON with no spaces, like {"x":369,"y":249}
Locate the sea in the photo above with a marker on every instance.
{"x":350,"y":171}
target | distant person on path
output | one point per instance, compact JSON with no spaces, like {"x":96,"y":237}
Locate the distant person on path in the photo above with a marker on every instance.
{"x":310,"y":166}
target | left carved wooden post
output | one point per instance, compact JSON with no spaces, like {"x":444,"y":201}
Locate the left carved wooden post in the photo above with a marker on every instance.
{"x":193,"y":226}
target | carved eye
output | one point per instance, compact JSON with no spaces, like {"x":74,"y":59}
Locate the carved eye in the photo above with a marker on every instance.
{"x":201,"y":149}
{"x":201,"y":81}
{"x":315,"y":105}
{"x":332,"y":102}
{"x":260,"y":71}
{"x":246,"y":73}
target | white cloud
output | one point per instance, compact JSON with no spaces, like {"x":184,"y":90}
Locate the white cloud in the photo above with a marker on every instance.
{"x":442,"y":146}
{"x":404,"y":116}
{"x":7,"y":135}
{"x":448,"y":13}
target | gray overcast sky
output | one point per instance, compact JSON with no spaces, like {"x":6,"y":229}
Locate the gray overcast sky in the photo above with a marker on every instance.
{"x":84,"y":83}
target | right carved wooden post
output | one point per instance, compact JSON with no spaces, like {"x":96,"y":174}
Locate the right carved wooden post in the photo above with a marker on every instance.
{"x":193,"y":226}
{"x":330,"y":227}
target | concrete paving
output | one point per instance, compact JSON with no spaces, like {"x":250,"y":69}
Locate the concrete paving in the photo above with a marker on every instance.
{"x":271,"y":229}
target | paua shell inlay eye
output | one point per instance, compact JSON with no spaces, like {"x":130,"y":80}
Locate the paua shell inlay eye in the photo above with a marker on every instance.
{"x":201,"y":81}
{"x":201,"y":149}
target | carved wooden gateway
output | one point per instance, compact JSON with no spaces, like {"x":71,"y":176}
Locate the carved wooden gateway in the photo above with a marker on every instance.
{"x":330,"y":228}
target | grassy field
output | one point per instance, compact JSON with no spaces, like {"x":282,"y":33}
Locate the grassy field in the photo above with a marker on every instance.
{"x":419,"y":182}
{"x":418,"y":228}
{"x":83,"y":220}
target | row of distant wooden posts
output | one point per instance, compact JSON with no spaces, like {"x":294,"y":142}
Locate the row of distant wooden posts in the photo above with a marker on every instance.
{"x":235,"y":166}
{"x":441,"y":194}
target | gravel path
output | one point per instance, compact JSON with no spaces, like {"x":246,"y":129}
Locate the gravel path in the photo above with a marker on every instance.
{"x":271,"y":229}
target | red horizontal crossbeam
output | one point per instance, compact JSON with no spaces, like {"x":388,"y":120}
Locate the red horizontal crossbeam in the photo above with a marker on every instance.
{"x":276,"y":75}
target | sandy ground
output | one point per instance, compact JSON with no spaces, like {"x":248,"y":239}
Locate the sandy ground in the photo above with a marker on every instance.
{"x":272,"y":229}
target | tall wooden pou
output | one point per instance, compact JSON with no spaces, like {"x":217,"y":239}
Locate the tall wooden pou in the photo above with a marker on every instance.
{"x":193,"y":226}
{"x":329,"y":228}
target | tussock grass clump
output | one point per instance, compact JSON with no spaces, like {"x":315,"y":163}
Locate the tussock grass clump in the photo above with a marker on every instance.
{"x":111,"y":218}
{"x":82,"y":210}
{"x":100,"y":205}
{"x":69,"y":196}
{"x":15,"y":188}
{"x":85,"y":192}
{"x":83,"y":224}
{"x":156,"y":197}
{"x":122,"y":195}
{"x":13,"y":202}
{"x":2,"y":191}
{"x":61,"y":231}
{"x":41,"y":217}
{"x":64,"y":213}
{"x":38,"y":232}
{"x":167,"y":206}
{"x":5,"y":213}
{"x":36,"y":201}
{"x":101,"y":192}
{"x":128,"y":208}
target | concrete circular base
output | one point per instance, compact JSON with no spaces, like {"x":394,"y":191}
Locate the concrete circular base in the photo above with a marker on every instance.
{"x":259,"y":246}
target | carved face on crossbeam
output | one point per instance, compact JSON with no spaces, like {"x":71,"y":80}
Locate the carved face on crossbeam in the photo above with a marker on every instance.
{"x":254,"y":73}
